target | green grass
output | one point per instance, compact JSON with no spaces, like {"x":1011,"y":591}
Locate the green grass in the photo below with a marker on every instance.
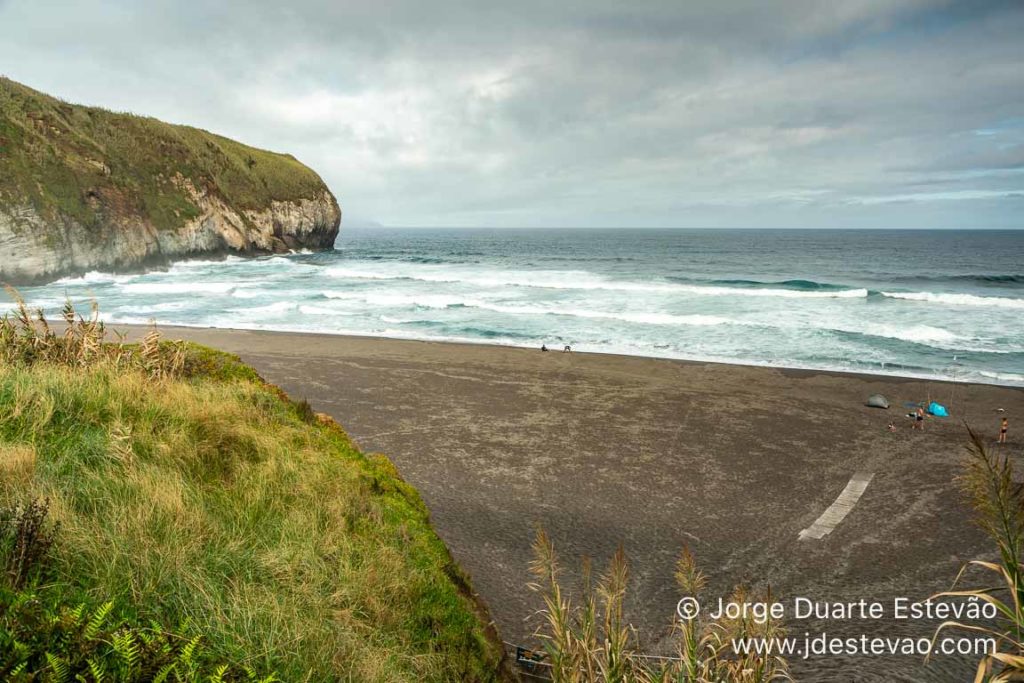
{"x":86,"y":163}
{"x":209,"y":498}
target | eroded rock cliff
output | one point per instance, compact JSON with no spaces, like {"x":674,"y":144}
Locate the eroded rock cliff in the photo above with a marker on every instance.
{"x":86,"y":189}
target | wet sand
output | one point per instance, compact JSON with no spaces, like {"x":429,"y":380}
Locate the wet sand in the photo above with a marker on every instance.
{"x":654,"y":454}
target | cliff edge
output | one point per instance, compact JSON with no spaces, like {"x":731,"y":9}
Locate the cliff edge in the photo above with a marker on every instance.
{"x":86,"y":189}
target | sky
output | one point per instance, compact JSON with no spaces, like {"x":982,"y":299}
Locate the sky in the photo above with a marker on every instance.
{"x":743,"y":113}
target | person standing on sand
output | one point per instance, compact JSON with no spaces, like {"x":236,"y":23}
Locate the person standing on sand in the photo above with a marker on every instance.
{"x":919,"y":418}
{"x":1003,"y":426}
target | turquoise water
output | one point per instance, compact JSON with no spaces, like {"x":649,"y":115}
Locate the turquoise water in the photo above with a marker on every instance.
{"x":919,"y":303}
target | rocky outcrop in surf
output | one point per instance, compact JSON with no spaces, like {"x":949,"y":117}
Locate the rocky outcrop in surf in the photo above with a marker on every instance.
{"x":86,"y":189}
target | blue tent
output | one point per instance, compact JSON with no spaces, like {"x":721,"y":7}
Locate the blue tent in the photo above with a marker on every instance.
{"x":937,"y":410}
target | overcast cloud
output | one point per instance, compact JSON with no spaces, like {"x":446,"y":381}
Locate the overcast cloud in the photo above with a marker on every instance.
{"x":860,"y":113}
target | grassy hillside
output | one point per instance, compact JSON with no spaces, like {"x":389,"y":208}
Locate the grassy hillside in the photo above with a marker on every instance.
{"x":85,"y":163}
{"x":187,"y":491}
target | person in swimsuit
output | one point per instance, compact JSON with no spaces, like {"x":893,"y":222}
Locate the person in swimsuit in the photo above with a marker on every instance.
{"x":1002,"y":430}
{"x":919,"y":418}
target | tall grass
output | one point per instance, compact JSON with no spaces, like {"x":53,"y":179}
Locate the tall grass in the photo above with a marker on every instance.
{"x":188,"y":490}
{"x":590,"y":642}
{"x":26,"y":337}
{"x":43,"y":639}
{"x":998,"y":502}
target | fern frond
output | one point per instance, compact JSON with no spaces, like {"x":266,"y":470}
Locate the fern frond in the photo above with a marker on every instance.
{"x":189,"y":650}
{"x":59,"y":668}
{"x":127,"y":650}
{"x":218,"y":674}
{"x":97,"y":670}
{"x":76,"y":614}
{"x":164,"y":672}
{"x":92,"y":629}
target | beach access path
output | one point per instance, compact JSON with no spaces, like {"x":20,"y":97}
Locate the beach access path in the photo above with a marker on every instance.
{"x":601,"y":450}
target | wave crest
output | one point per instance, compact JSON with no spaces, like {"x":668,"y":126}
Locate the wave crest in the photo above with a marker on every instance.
{"x":178,"y":287}
{"x":951,"y":299}
{"x":585,"y":281}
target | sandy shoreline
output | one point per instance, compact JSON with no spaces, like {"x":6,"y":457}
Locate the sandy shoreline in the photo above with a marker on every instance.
{"x":733,"y":461}
{"x":698,"y":361}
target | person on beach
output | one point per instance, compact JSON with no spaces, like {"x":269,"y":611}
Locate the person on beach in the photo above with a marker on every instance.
{"x":919,"y":418}
{"x":567,"y":349}
{"x":892,"y":426}
{"x":1003,"y":426}
{"x":543,"y":347}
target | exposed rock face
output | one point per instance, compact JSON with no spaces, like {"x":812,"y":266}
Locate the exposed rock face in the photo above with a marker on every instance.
{"x":34,"y":250}
{"x":86,"y":189}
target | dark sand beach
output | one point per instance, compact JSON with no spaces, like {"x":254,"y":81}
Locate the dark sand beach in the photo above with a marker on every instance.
{"x":657,"y":454}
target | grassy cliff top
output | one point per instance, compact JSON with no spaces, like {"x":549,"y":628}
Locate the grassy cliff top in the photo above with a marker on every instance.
{"x":188,"y":491}
{"x":84,"y":162}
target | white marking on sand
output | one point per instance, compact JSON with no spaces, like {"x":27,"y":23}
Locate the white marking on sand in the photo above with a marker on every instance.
{"x":835,"y":513}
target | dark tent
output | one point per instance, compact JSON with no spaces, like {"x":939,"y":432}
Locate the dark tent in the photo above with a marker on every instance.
{"x":878,"y":401}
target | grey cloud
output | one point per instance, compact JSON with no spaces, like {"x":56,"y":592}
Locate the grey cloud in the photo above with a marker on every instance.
{"x":577,"y":113}
{"x":990,"y":158}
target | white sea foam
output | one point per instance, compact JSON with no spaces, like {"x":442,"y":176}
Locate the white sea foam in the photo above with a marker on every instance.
{"x":126,"y":319}
{"x":636,"y":318}
{"x":323,"y":310}
{"x":941,"y":339}
{"x":492,"y":278}
{"x":158,"y":307}
{"x":957,"y":299}
{"x":93,"y":277}
{"x":284,"y":262}
{"x":570,"y":280}
{"x":269,"y":309}
{"x":178,"y":287}
{"x":242,"y":293}
{"x":33,"y":304}
{"x":702,"y":290}
{"x":1003,"y":376}
{"x":203,"y":263}
{"x":679,"y":309}
{"x":438,"y":301}
{"x":399,"y":300}
{"x":635,"y":347}
{"x":912,"y":333}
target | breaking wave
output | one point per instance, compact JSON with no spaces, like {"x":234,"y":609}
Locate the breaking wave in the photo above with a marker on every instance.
{"x":978,"y":279}
{"x":1011,"y":377}
{"x":178,"y":287}
{"x":951,"y":299}
{"x":920,"y":334}
{"x":585,"y":281}
{"x":797,"y":285}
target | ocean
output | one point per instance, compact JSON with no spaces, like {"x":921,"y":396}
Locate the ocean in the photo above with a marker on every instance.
{"x":936,"y":304}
